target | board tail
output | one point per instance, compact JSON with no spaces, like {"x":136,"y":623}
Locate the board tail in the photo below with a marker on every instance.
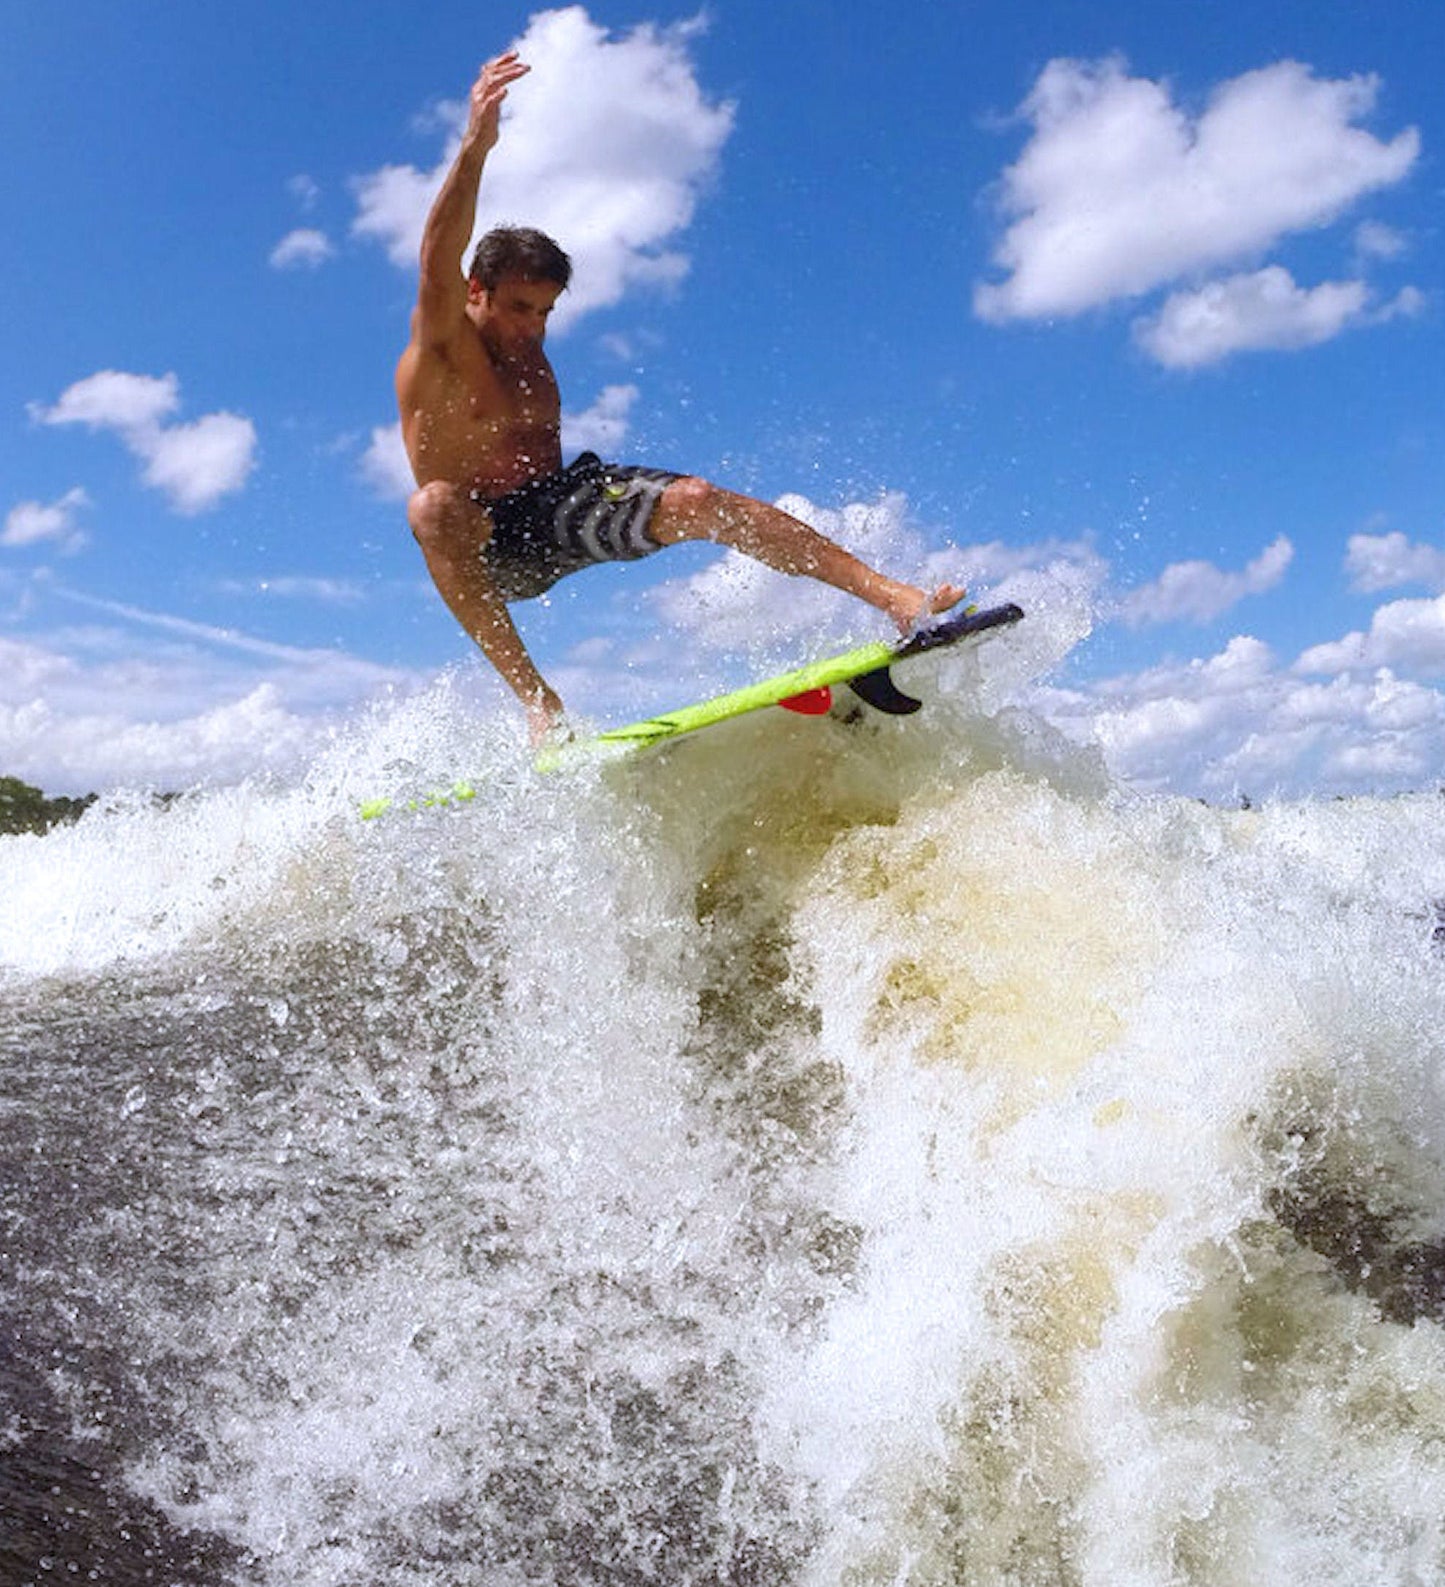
{"x":959,"y":626}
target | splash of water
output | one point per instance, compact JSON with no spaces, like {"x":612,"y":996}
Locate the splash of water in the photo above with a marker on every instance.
{"x":817,"y":1154}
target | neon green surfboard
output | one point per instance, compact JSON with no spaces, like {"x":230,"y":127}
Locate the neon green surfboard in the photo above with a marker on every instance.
{"x":806,"y":690}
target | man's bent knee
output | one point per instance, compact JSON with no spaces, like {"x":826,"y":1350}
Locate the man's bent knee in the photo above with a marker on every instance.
{"x":686,"y":509}
{"x":445,"y":517}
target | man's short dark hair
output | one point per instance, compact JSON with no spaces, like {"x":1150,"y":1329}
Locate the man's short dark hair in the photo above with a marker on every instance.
{"x":519,"y":251}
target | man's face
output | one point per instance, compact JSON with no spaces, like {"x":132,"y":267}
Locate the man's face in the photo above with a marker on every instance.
{"x":514,"y":313}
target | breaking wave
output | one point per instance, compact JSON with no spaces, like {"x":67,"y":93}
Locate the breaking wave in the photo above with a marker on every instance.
{"x":820,"y":1153}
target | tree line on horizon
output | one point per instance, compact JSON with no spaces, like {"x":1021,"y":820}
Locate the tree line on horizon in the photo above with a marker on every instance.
{"x":24,"y":809}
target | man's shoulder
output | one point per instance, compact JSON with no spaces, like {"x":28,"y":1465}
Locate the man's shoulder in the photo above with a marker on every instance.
{"x":442,"y":352}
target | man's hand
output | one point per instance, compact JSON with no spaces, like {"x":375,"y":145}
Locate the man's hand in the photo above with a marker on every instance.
{"x":488,"y":92}
{"x":441,"y":297}
{"x":544,"y":717}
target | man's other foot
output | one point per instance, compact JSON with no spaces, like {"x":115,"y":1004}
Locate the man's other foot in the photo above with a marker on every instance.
{"x":914,"y":606}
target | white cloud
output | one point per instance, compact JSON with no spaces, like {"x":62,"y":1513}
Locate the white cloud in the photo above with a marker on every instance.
{"x":1380,"y":701}
{"x":1171,"y":724}
{"x":1406,"y":634}
{"x":1375,"y":240}
{"x":1408,"y":303}
{"x":606,"y":146}
{"x":304,"y":190}
{"x":31,"y":523}
{"x":139,"y":698}
{"x":1262,"y":310}
{"x":115,"y":400}
{"x":992,"y":562}
{"x":1259,"y":311}
{"x":1198,"y":592}
{"x":195,"y":464}
{"x":1120,"y":191}
{"x":1238,"y":722}
{"x":303,"y":248}
{"x":330,"y":592}
{"x":198,"y":463}
{"x":385,"y":465}
{"x":103,"y":747}
{"x":602,"y":427}
{"x":205,"y":633}
{"x":1382,"y":562}
{"x":392,"y":206}
{"x":1387,"y":762}
{"x":1334,"y":655}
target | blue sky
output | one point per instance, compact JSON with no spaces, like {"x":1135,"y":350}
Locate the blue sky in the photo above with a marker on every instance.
{"x":1131,"y":312}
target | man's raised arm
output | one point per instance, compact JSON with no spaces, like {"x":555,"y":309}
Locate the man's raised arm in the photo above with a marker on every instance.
{"x":441,"y":296}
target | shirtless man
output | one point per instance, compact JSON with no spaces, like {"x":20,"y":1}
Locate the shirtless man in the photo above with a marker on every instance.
{"x":495,"y":513}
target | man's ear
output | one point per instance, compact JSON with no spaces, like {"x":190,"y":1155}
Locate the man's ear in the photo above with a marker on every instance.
{"x":476,"y":292}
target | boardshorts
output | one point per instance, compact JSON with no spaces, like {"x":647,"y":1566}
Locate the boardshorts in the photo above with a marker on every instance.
{"x":590,"y":512}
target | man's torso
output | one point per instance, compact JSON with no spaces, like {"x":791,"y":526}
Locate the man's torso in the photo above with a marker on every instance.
{"x":472,"y":420}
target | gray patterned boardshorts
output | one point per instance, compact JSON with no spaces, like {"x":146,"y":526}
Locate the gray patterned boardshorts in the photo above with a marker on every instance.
{"x":589,"y":512}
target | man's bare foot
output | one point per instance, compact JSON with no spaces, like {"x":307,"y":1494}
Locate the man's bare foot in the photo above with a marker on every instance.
{"x":913,"y":606}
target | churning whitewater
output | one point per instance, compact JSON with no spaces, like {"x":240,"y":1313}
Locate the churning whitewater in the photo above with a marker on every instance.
{"x":842,"y":1155}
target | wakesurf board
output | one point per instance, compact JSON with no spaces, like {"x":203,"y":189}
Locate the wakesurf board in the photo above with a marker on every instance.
{"x":808,"y":690}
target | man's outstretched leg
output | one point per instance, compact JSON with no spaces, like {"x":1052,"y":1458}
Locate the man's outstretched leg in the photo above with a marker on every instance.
{"x":693,"y":509}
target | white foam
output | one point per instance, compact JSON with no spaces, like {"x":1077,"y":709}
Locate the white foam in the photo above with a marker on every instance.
{"x":864,"y":1146}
